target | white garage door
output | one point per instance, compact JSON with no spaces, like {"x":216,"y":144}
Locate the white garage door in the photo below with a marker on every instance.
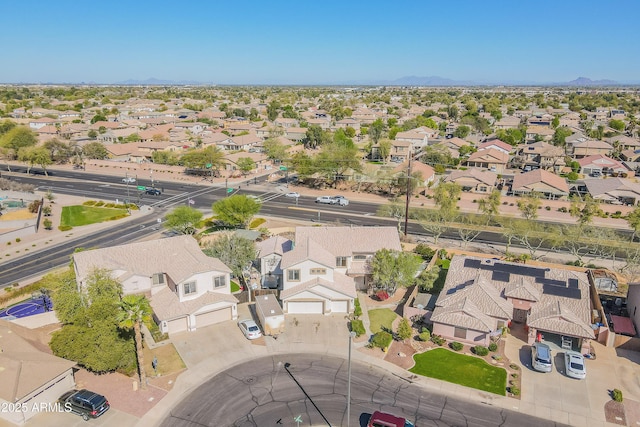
{"x":50,"y":394}
{"x":177,"y":325}
{"x":304,"y":307}
{"x":338,"y":306}
{"x":213,"y":317}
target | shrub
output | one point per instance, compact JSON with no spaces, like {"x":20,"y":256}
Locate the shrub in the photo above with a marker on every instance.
{"x":616,"y":395}
{"x":257,"y":222}
{"x":358,"y":327}
{"x":89,"y":203}
{"x":34,"y":206}
{"x":514,"y":366}
{"x":404,"y":330}
{"x":514,"y":390}
{"x":98,"y":204}
{"x":357,"y":310}
{"x":493,"y":346}
{"x":424,"y":251}
{"x":18,"y":240}
{"x":425,"y":335}
{"x":382,"y":295}
{"x":382,"y":340}
{"x":563,"y":210}
{"x":64,"y":227}
{"x":438,"y":340}
{"x":547,"y":208}
{"x":47,"y":224}
{"x":481,"y":350}
{"x":456,"y":346}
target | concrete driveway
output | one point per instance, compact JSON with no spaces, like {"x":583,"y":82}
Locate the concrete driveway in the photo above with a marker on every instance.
{"x":557,"y":397}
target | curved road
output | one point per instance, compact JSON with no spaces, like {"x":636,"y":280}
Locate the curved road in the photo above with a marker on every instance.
{"x":261,"y":393}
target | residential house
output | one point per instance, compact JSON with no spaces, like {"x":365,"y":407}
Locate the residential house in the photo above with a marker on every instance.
{"x":544,"y":120}
{"x":542,"y":155}
{"x":602,"y":165}
{"x":427,"y":172}
{"x":614,"y":190}
{"x":591,"y":147}
{"x":624,"y":142}
{"x":324,"y":123}
{"x":295,"y":134}
{"x":490,"y":158}
{"x":187,"y":288}
{"x":36,"y":124}
{"x":240,"y":143}
{"x":539,"y":133}
{"x":481,"y":296}
{"x":540,"y":181}
{"x":418,"y":140}
{"x":286,"y":122}
{"x":400,"y":151}
{"x":270,"y":254}
{"x":31,"y":379}
{"x":260,"y":159}
{"x":507,"y":122}
{"x":473,"y":180}
{"x":348,"y":122}
{"x":496,"y":144}
{"x":633,"y":301}
{"x":217,"y":139}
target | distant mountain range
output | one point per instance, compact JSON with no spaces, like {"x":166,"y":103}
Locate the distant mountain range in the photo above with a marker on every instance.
{"x":407,"y":81}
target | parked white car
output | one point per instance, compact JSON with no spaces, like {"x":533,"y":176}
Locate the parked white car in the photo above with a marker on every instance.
{"x":129,"y":180}
{"x":574,"y":365}
{"x":250,"y":329}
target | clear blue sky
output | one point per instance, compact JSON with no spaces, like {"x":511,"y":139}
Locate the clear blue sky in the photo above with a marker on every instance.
{"x":316,"y":42}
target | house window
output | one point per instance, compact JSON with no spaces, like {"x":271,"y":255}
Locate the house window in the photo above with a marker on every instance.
{"x":189,"y":288}
{"x":341,"y":261}
{"x":501,"y":323}
{"x":158,"y":279}
{"x":483,"y":188}
{"x":359,"y":257}
{"x":219,"y":282}
{"x":460,"y":333}
{"x":318,"y":271}
{"x":293,"y":275}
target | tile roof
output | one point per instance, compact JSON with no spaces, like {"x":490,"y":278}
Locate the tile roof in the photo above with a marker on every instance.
{"x":24,"y":368}
{"x":308,"y":249}
{"x":341,"y":284}
{"x":495,"y":143}
{"x":527,"y":181}
{"x":179,"y":257}
{"x":463,"y":273}
{"x":489,"y":155}
{"x":484,"y":294}
{"x":600,"y":160}
{"x":167,"y":306}
{"x":486,"y":177}
{"x":345,"y":241}
{"x":273,"y":245}
{"x":613,"y":187}
{"x":522,"y":289}
{"x":464,"y":314}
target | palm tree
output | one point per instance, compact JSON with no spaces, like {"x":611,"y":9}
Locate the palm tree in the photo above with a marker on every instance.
{"x":135,"y":310}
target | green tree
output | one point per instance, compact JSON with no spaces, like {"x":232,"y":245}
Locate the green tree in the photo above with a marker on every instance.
{"x":618,"y":125}
{"x":272,"y":110}
{"x":391,"y":269}
{"x":207,"y":158}
{"x":246,"y":165}
{"x":384,"y":149}
{"x":462,"y":131}
{"x":633,"y":219}
{"x":95,"y":150}
{"x":560,"y":135}
{"x":583,"y":210}
{"x":274,"y":149}
{"x":234,"y":251}
{"x":376,"y":130}
{"x":404,"y":330}
{"x":35,"y":156}
{"x":59,"y":151}
{"x":135,"y":310}
{"x":335,"y":159}
{"x":183,"y":219}
{"x":528,"y":206}
{"x":16,"y":138}
{"x":237,"y":210}
{"x":490,"y":205}
{"x":98,"y":118}
{"x":315,"y":137}
{"x":446,"y":195}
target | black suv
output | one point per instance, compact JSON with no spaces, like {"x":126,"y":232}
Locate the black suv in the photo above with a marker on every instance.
{"x":153,"y":191}
{"x":85,"y":403}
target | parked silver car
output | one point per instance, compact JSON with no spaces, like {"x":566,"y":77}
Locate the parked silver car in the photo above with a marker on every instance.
{"x":541,"y":357}
{"x":574,"y":365}
{"x":250,"y":329}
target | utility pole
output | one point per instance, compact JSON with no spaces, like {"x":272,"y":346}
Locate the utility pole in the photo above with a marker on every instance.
{"x":406,"y":208}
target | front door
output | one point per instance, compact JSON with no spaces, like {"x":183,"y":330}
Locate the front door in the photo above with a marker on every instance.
{"x":520,"y":316}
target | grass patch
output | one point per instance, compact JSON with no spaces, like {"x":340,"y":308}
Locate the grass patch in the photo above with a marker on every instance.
{"x":257,"y":222}
{"x":74,"y":216}
{"x":460,"y":369}
{"x":169,"y":361}
{"x":381,"y":318}
{"x":234,"y":287}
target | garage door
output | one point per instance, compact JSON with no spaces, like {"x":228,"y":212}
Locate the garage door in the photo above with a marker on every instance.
{"x":213,"y":317}
{"x":50,"y":394}
{"x":338,"y":306}
{"x":304,"y":307}
{"x":177,"y":325}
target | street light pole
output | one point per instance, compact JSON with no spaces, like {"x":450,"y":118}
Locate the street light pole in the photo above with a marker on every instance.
{"x":406,"y":209}
{"x":351,"y":336}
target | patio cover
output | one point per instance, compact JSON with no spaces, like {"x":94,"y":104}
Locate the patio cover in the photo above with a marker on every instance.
{"x":623,"y":325}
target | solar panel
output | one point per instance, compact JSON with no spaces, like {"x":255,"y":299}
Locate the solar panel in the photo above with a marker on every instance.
{"x":561,"y":291}
{"x":500,"y":276}
{"x":472,"y":263}
{"x":573,"y":283}
{"x":521,"y":270}
{"x":551,"y":282}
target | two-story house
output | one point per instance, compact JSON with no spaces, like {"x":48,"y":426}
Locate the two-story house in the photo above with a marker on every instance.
{"x":186,"y":288}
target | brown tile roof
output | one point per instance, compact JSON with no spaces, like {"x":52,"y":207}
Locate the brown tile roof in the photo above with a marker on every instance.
{"x":24,"y":368}
{"x":486,"y":177}
{"x":463,"y":313}
{"x":345,"y":241}
{"x":167,"y":306}
{"x":308,"y":249}
{"x":179,"y":257}
{"x":527,"y":181}
{"x":341,"y":284}
{"x":274,"y":245}
{"x":486,"y":297}
{"x":522,"y":289}
{"x":489,"y":155}
{"x":497,"y":143}
{"x":557,"y":318}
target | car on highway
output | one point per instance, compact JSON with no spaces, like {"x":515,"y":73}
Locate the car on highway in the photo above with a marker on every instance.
{"x":255,"y":198}
{"x":331,"y":200}
{"x":574,"y":365}
{"x":383,"y":419}
{"x":85,"y":403}
{"x":152,"y":191}
{"x":128,"y":180}
{"x":541,"y":357}
{"x":292,"y":194}
{"x":250,"y":329}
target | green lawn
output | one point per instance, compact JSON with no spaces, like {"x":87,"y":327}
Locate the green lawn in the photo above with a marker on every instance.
{"x":74,"y":216}
{"x":457,"y":368}
{"x":234,"y":287}
{"x":381,"y":317}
